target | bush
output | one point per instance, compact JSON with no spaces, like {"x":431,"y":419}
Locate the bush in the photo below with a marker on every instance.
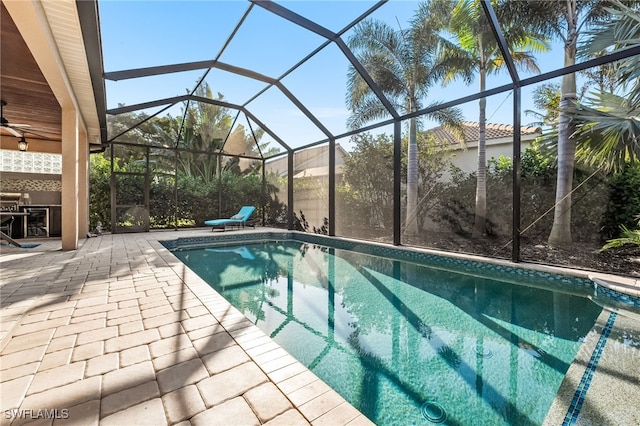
{"x":629,"y":237}
{"x":537,"y":187}
{"x":99,"y":191}
{"x":623,"y":206}
{"x":197,"y":201}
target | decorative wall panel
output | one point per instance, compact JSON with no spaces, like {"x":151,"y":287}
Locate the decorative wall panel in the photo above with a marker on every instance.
{"x":30,"y":162}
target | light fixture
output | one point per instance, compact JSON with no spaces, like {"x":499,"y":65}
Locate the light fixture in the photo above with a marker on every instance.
{"x":23,"y":144}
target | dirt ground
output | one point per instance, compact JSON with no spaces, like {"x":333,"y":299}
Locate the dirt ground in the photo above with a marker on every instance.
{"x":620,"y":261}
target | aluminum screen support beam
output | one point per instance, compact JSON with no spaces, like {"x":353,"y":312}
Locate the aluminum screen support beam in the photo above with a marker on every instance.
{"x":332,"y":187}
{"x":397,"y":181}
{"x":264,"y":190}
{"x":145,"y":72}
{"x":224,"y":47}
{"x":145,"y":105}
{"x":176,"y":99}
{"x":290,"y":205}
{"x":303,"y":22}
{"x":291,"y":16}
{"x":159,"y":70}
{"x":265,"y":128}
{"x":139,"y":123}
{"x":517,"y":139}
{"x":502,"y":42}
{"x":274,"y":82}
{"x":517,"y":134}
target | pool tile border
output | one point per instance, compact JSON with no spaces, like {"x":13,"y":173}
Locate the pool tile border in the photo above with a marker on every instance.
{"x":581,"y":392}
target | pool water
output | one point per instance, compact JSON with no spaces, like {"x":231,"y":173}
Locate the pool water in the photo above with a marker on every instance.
{"x":406,"y":343}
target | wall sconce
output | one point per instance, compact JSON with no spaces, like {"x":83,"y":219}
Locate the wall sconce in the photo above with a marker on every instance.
{"x":23,"y":144}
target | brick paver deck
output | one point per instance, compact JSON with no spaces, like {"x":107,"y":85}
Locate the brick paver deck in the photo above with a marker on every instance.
{"x":119,"y":332}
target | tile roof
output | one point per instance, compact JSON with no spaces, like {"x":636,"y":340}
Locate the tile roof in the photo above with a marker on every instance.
{"x":471,"y":131}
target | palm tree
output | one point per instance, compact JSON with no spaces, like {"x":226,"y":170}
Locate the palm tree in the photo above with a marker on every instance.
{"x":565,"y":20}
{"x":477,"y":52}
{"x":404,"y":63}
{"x":204,"y":128}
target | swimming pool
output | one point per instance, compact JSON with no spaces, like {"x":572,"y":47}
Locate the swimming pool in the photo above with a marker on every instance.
{"x":403,"y":342}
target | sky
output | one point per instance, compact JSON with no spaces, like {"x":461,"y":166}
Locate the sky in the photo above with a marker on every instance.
{"x":138,"y":34}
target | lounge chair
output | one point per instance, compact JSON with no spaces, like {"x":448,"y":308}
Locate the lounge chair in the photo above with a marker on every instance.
{"x":239,"y":219}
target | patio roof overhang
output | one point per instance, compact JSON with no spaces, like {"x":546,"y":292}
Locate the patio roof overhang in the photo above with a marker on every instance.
{"x":45,"y":67}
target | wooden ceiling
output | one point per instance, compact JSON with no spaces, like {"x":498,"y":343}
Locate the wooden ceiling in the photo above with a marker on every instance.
{"x":23,"y":87}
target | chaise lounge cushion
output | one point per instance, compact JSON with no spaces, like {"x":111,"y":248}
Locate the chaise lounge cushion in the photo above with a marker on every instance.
{"x":239,"y":218}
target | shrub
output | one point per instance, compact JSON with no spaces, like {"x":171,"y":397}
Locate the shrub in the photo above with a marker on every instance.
{"x":623,"y":205}
{"x":629,"y":237}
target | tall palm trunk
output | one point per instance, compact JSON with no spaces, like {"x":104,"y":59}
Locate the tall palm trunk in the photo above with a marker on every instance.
{"x":480,"y":222}
{"x":561,"y":230}
{"x":412,"y":181}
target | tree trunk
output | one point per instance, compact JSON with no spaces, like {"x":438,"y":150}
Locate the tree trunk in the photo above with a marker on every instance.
{"x":411,"y":228}
{"x":480,"y":222}
{"x":561,"y":230}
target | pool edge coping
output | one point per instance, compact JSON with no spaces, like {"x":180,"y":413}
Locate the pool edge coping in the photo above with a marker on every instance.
{"x":568,"y":402}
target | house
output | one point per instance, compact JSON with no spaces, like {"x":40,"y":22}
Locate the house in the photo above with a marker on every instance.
{"x":309,"y":162}
{"x":311,"y":180}
{"x":50,"y":119}
{"x":499,"y":141}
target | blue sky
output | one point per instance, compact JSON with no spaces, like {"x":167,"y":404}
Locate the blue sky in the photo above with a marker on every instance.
{"x":151,"y":33}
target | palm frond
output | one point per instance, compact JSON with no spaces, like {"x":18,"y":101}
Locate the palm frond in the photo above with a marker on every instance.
{"x":620,"y":31}
{"x":629,"y":237}
{"x":607,"y":132}
{"x":403,"y":64}
{"x":368,"y":110}
{"x":525,"y":61}
{"x":451,"y":119}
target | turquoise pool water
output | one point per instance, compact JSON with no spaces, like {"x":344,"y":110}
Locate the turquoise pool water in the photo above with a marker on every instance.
{"x":407,"y":343}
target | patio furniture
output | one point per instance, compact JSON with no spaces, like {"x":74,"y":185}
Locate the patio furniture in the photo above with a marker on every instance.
{"x":7,"y":218}
{"x":240,"y":219}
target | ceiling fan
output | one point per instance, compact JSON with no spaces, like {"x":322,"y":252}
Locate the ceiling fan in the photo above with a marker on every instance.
{"x":16,"y":130}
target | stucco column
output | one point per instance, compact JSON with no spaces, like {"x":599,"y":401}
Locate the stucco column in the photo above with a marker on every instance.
{"x":70,"y":188}
{"x":83,"y":184}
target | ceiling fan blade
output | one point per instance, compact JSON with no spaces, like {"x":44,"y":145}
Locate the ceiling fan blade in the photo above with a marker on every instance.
{"x":40,"y":133}
{"x":18,"y":125}
{"x":12,"y":131}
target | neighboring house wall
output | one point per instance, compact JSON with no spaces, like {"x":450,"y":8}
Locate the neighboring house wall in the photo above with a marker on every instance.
{"x":311,"y":180}
{"x":467,"y":160}
{"x":306,"y":160}
{"x":499,"y":141}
